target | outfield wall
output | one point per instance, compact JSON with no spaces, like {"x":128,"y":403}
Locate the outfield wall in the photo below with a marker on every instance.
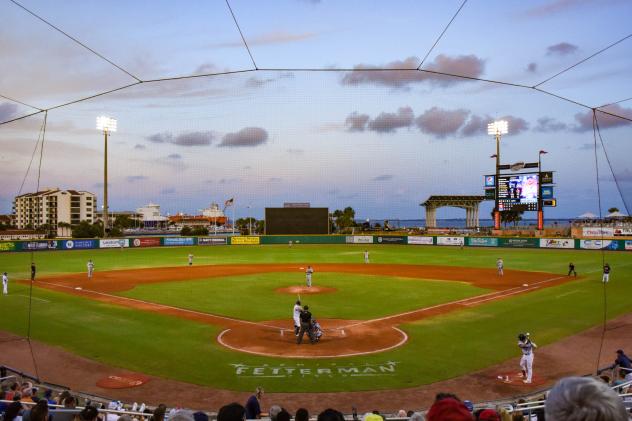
{"x":291,"y":240}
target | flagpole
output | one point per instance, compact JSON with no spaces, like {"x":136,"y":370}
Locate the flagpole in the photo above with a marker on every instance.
{"x":234,"y":220}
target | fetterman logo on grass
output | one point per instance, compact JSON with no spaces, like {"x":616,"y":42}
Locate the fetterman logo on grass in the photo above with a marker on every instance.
{"x":320,"y":370}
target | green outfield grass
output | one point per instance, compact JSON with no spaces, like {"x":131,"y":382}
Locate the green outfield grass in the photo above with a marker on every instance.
{"x":253,"y":297}
{"x":439,"y":347}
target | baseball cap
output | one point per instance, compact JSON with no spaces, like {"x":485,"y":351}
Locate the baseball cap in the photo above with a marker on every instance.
{"x":449,"y":409}
{"x":489,"y":415}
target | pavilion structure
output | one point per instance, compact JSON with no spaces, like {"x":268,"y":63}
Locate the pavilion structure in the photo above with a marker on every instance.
{"x":469,"y":203}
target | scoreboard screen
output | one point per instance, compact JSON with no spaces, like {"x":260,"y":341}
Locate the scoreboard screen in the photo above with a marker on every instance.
{"x":297,"y":221}
{"x":518,"y":190}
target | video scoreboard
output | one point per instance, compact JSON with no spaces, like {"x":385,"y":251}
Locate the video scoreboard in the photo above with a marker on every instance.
{"x":519,"y":190}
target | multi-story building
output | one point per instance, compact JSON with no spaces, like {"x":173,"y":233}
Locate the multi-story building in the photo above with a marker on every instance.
{"x":52,"y":206}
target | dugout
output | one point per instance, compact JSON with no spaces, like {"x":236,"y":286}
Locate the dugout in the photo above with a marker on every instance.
{"x":288,"y":220}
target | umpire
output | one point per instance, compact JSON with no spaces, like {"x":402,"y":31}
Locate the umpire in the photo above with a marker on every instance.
{"x":306,"y":326}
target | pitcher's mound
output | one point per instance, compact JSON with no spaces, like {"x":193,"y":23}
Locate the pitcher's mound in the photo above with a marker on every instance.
{"x":305,"y":290}
{"x":122,"y":381}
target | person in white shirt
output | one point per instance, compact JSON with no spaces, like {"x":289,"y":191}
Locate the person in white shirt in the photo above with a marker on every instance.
{"x":296,"y":315}
{"x":366,"y":256}
{"x":5,"y":284}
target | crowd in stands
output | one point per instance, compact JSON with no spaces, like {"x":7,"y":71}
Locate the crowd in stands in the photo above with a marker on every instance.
{"x":571,"y":399}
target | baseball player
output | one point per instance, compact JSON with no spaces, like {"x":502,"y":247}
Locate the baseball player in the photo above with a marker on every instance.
{"x":308,"y":276}
{"x":289,"y":244}
{"x":33,"y":270}
{"x":296,"y":315}
{"x":606,"y":273}
{"x":571,"y":269}
{"x":526,"y":362}
{"x":190,"y":260}
{"x":500,"y":265}
{"x":306,"y":326}
{"x":5,"y":284}
{"x":90,"y":266}
{"x":366,"y":256}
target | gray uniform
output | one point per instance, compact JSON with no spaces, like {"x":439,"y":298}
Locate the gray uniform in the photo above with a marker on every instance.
{"x":308,"y":276}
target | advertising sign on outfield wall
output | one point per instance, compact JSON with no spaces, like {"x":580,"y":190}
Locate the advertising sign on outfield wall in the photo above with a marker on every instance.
{"x":628,"y":244}
{"x":245,"y":240}
{"x":450,"y":241}
{"x":79,"y":244}
{"x":212,"y":241}
{"x":557,"y":243}
{"x":599,"y":244}
{"x":519,"y":242}
{"x":8,"y":246}
{"x":360,"y":239}
{"x":146,"y":242}
{"x":598,"y":232}
{"x":39,"y":245}
{"x":423,"y":241}
{"x":178,"y":241}
{"x":391,"y":239}
{"x":482,"y":242}
{"x":623,"y":232}
{"x":111,"y":243}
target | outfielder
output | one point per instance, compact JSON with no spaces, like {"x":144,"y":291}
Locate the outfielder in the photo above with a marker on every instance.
{"x":190,"y":260}
{"x":526,"y":362}
{"x":296,"y":315}
{"x":571,"y":269}
{"x":5,"y":283}
{"x":308,"y":276}
{"x":500,"y":265}
{"x":606,"y":273}
{"x":366,"y":256}
{"x":90,"y":266}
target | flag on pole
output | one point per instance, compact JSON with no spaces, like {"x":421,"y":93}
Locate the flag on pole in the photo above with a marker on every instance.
{"x":494,"y":156}
{"x":542,"y":152}
{"x":229,"y":202}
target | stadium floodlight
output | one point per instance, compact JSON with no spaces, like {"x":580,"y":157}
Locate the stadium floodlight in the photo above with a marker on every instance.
{"x":106,"y":125}
{"x":498,"y":128}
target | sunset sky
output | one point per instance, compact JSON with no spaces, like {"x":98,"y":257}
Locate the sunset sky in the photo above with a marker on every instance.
{"x":381,"y":142}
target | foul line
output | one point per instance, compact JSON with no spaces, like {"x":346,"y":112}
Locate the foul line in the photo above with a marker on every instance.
{"x":351,"y":354}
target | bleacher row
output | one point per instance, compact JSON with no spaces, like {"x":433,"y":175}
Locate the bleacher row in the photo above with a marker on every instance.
{"x":588,"y":398}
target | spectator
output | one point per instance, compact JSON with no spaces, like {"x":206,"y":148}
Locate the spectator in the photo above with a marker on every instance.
{"x":123,"y":417}
{"x":401,"y":414}
{"x":62,"y":397}
{"x":12,"y":391}
{"x":67,"y":414}
{"x":283,"y":415}
{"x":13,"y":412}
{"x":231,"y":412}
{"x":27,"y":395}
{"x":201,"y":416}
{"x":48,"y":395}
{"x":159,"y":413}
{"x":622,"y":360}
{"x":39,"y":412}
{"x":182,"y":415}
{"x":448,"y":407}
{"x":619,"y":380}
{"x":331,"y":415}
{"x":488,"y":415}
{"x":410,"y":413}
{"x":253,"y":405}
{"x":89,"y":413}
{"x":583,"y":398}
{"x":274,"y":411}
{"x":301,"y":415}
{"x":417,"y":416}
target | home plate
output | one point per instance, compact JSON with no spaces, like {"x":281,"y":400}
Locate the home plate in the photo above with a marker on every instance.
{"x":525,"y":285}
{"x":78,"y":288}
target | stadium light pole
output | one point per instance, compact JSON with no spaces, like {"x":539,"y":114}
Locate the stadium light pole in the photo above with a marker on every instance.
{"x":497,"y":129}
{"x":107,"y":125}
{"x":540,"y":201}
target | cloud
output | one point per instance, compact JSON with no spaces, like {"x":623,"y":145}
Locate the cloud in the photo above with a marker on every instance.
{"x":606,"y":121}
{"x":7,"y":111}
{"x":174,"y":156}
{"x":383,"y":177}
{"x":441,"y":123}
{"x":560,"y":6}
{"x":548,"y":124}
{"x":269,"y":38}
{"x":561,"y":49}
{"x":476,"y":126}
{"x":356,"y":122}
{"x":246,"y":137}
{"x":516,"y":124}
{"x":184,"y":139}
{"x":139,"y":146}
{"x":532,"y":67}
{"x":389,"y":122}
{"x":469,"y":65}
{"x":133,"y":178}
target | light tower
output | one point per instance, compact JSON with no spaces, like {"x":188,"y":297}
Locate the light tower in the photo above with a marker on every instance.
{"x":107,"y":125}
{"x":497,"y":129}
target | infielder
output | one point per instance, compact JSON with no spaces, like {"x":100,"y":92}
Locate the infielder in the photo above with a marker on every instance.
{"x":308,"y":276}
{"x":5,"y":284}
{"x":500,"y":265}
{"x":90,"y":266}
{"x":526,"y":362}
{"x":606,"y":273}
{"x":33,"y":271}
{"x":571,"y":269}
{"x":366,"y":256}
{"x":296,"y":315}
{"x":190,"y":260}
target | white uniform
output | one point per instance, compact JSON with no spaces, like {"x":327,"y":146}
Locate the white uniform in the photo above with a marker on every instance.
{"x":308,"y":276}
{"x":90,"y":266}
{"x":500,"y":265}
{"x":5,"y":284}
{"x":366,"y":256}
{"x":190,"y":259}
{"x":526,"y":362}
{"x":296,"y":315}
{"x":606,"y":274}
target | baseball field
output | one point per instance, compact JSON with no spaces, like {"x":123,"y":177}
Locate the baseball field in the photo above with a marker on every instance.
{"x":413,"y":316}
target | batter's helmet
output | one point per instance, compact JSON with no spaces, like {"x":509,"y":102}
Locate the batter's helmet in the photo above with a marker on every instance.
{"x":522,"y":337}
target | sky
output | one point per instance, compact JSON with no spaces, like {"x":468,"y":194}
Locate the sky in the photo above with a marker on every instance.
{"x":293,"y":127}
